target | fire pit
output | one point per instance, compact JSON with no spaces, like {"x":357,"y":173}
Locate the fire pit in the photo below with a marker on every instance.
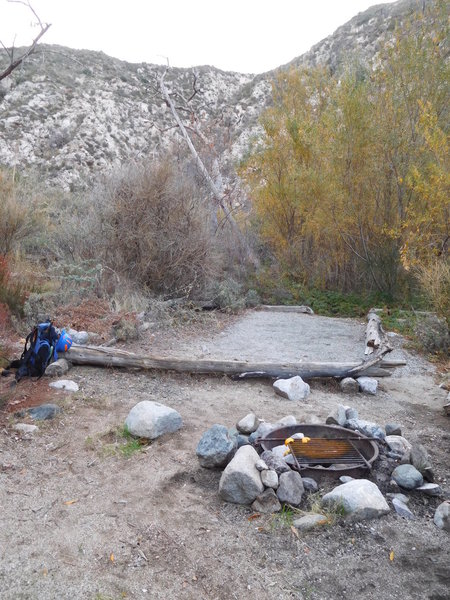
{"x":331,"y":451}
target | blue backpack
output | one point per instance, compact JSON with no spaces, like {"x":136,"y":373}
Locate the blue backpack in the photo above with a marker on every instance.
{"x":39,"y":351}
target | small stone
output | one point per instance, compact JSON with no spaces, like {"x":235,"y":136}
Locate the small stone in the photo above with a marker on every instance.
{"x":394,"y":455}
{"x":80,"y":338}
{"x":442,"y":516}
{"x":216,"y":447}
{"x":338,"y":416}
{"x":310,"y":484}
{"x":64,"y":384}
{"x":401,"y":509}
{"x":360,"y":499}
{"x":420,"y":459}
{"x":309,"y":522}
{"x":345,"y":478}
{"x":366,"y":428}
{"x":261,"y":465}
{"x":393,"y":429}
{"x":398,"y":444}
{"x":430,"y":489}
{"x":150,"y":420}
{"x":263,"y":430}
{"x":286,"y":421}
{"x":351,"y":413}
{"x":290,"y":489}
{"x":401,"y":497}
{"x":248,"y":424}
{"x":44,"y":412}
{"x":269,"y":479}
{"x":26,"y":428}
{"x":275,"y":462}
{"x":349,"y":385}
{"x":267,"y":502}
{"x":242,"y":440}
{"x":407,"y":477}
{"x":368,"y":385}
{"x":240,"y":482}
{"x":279,"y":451}
{"x":293,"y":388}
{"x":57,"y":368}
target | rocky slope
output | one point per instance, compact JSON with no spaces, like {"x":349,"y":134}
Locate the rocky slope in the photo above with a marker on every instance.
{"x":72,"y":114}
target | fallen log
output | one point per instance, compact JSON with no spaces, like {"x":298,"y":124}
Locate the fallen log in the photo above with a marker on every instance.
{"x":375,"y":335}
{"x":286,"y":309}
{"x":112,"y":357}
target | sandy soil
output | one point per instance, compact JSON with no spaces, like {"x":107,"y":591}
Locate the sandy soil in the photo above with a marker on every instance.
{"x":78,"y":519}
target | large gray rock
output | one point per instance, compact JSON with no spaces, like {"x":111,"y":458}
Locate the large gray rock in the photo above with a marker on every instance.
{"x":151,"y":419}
{"x":216,"y":447}
{"x":442,"y":516}
{"x":241,"y":482}
{"x":360,"y":499}
{"x":57,"y":368}
{"x":309,"y":522}
{"x":293,"y":388}
{"x":420,"y":459}
{"x":248,"y":424}
{"x":44,"y":412}
{"x":368,"y":385}
{"x":267,"y":502}
{"x":338,"y":416}
{"x":398,"y":444}
{"x":366,"y":428}
{"x":407,"y":477}
{"x":349,"y":385}
{"x":290,"y":489}
{"x":270,"y":479}
{"x":276,"y":463}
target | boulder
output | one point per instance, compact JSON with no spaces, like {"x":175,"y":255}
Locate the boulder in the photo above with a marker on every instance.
{"x":407,"y":477}
{"x":241,"y":482}
{"x":44,"y":412}
{"x":368,"y":385}
{"x":267,"y":502}
{"x":349,"y":385}
{"x":398,"y":444}
{"x":57,"y":368}
{"x":393,"y":429}
{"x":248,"y":424}
{"x":310,"y":485}
{"x":420,"y":459}
{"x":366,"y":428}
{"x":274,"y":462}
{"x":216,"y":447}
{"x":270,"y":479}
{"x":293,"y":388}
{"x":360,"y":499}
{"x":338,"y":416}
{"x":442,"y":516}
{"x":401,"y":509}
{"x":65,"y":384}
{"x":150,"y":420}
{"x":309,"y":522}
{"x":290,"y":489}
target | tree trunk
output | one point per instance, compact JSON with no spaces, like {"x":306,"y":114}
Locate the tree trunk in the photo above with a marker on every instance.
{"x":374,"y":333}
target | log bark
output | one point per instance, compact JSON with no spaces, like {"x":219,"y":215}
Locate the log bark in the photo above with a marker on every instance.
{"x":375,"y":335}
{"x":112,"y":357}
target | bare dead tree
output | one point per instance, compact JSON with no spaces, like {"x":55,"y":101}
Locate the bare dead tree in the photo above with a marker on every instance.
{"x":15,"y":62}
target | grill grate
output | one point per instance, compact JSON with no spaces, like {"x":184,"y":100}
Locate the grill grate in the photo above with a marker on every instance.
{"x":322,"y":451}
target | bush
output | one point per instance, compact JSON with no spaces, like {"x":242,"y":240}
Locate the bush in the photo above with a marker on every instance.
{"x":434,"y":279}
{"x":433,"y":335}
{"x":12,"y":294}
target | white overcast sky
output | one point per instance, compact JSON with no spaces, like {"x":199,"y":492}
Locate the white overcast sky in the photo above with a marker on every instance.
{"x":249,"y":36}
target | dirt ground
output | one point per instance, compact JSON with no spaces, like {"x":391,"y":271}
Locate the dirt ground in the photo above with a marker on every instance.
{"x":80,"y":519}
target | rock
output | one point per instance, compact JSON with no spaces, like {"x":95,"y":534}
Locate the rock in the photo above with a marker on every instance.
{"x":242,"y":440}
{"x":248,"y":424}
{"x":395,"y":455}
{"x":368,"y":385}
{"x":150,"y":420}
{"x":263,"y":429}
{"x":398,"y":444}
{"x":349,"y":385}
{"x":44,"y":412}
{"x":57,"y":368}
{"x":293,"y":388}
{"x":275,"y":462}
{"x":269,"y":479}
{"x":80,"y":338}
{"x":338,"y":416}
{"x":310,"y":484}
{"x":442,"y":516}
{"x":401,"y":509}
{"x":261,"y":465}
{"x":309,"y":522}
{"x":216,"y":447}
{"x":279,"y":451}
{"x":401,"y":497}
{"x":360,"y":499}
{"x":267,"y":502}
{"x":64,"y":384}
{"x":407,"y":477}
{"x":393,"y":429}
{"x":26,"y":428}
{"x":345,"y":478}
{"x":241,"y":482}
{"x":286,"y":421}
{"x":351,"y":413}
{"x":420,"y":459}
{"x":430,"y":489}
{"x":290,"y":489}
{"x":366,"y":428}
